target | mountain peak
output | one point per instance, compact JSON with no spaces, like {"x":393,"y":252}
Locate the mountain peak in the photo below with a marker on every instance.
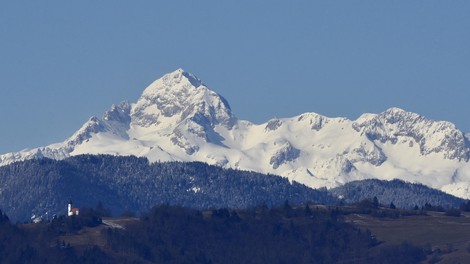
{"x":176,"y":80}
{"x":395,"y":109}
{"x":193,"y":79}
{"x":394,"y":114}
{"x":180,"y":74}
{"x":177,"y":96}
{"x":178,"y":118}
{"x":431,"y":136}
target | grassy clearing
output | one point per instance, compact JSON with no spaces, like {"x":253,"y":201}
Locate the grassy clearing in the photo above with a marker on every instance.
{"x":448,"y":237}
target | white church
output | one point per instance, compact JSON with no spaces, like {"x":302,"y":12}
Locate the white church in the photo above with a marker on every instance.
{"x":70,"y":210}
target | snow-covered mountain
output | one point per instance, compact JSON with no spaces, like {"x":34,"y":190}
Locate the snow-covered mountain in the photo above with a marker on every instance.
{"x":179,"y":118}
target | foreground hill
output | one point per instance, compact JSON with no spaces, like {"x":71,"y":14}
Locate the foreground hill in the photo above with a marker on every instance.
{"x":167,"y":234}
{"x":42,"y":187}
{"x":444,"y":237}
{"x":285,"y":234}
{"x":401,"y":194}
{"x":178,"y":118}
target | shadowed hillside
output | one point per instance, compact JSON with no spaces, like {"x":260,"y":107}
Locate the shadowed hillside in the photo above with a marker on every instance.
{"x":132,"y":184}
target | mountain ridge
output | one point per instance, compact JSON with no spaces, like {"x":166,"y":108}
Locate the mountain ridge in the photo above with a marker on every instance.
{"x":178,"y":118}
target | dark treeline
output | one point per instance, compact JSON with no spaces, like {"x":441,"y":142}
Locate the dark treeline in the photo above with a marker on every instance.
{"x":402,"y":194}
{"x":39,"y":243}
{"x":173,"y":234}
{"x":126,"y":184}
{"x":132,"y":184}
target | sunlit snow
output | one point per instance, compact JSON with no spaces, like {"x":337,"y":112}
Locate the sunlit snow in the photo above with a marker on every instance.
{"x":178,"y":118}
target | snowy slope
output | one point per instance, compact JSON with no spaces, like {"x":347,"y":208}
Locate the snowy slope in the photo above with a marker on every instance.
{"x":179,"y":118}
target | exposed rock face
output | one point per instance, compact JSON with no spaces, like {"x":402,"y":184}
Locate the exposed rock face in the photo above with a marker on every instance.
{"x":285,"y":154}
{"x":179,"y":96}
{"x":272,"y":125}
{"x":431,"y":136}
{"x":315,"y":121}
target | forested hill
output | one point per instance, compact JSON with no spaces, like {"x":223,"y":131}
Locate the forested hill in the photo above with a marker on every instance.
{"x":173,"y":234}
{"x":402,"y":194}
{"x":43,"y":186}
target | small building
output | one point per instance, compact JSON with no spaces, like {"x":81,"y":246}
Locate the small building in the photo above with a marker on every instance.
{"x":70,"y":210}
{"x":36,"y":219}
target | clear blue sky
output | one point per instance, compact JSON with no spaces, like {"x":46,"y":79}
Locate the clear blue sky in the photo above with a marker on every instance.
{"x":64,"y":61}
